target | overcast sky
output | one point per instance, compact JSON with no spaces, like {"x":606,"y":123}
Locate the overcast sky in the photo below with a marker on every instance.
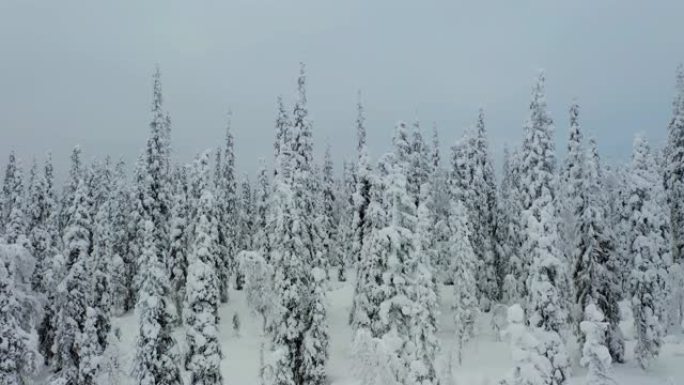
{"x":79,"y":72}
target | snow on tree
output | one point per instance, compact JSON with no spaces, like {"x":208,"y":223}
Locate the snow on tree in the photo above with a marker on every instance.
{"x":74,"y":291}
{"x":595,"y":355}
{"x":463,"y":269}
{"x":675,"y":166}
{"x":573,"y":197}
{"x":538,"y":192}
{"x":546,"y":315}
{"x":298,"y":346}
{"x":530,"y":367}
{"x":486,"y":183}
{"x":258,"y":284}
{"x":227,"y":205}
{"x":121,"y":207}
{"x":596,"y":270}
{"x":19,"y":357}
{"x":8,"y":191}
{"x":674,"y":182}
{"x":367,"y":298}
{"x":156,"y":361}
{"x":245,"y":219}
{"x":41,"y":216}
{"x":425,"y":319}
{"x":15,"y":202}
{"x":420,"y":167}
{"x":178,"y":233}
{"x":361,"y":196}
{"x":203,"y":357}
{"x":331,"y":222}
{"x":508,"y":234}
{"x":262,"y":196}
{"x":154,"y":189}
{"x":467,"y":183}
{"x":89,"y":349}
{"x":75,"y":176}
{"x":104,"y":288}
{"x":650,"y":252}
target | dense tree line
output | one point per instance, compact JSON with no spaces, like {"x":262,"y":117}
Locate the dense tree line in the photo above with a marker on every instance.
{"x":561,"y":243}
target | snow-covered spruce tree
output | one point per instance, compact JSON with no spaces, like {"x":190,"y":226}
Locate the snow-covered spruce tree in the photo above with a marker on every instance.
{"x":331,"y":222}
{"x":245,"y":218}
{"x":8,"y":191}
{"x":74,"y":292}
{"x":298,"y":328}
{"x":178,"y":247}
{"x":104,"y":290}
{"x":345,"y":208}
{"x":89,"y":349}
{"x":19,"y":357}
{"x":314,"y":349}
{"x":572,"y":194}
{"x":508,"y":232}
{"x":262,"y":196}
{"x":16,"y":226}
{"x":397,"y":251}
{"x":75,"y":176}
{"x":367,"y":297}
{"x":440,"y":198}
{"x":156,"y":184}
{"x":425,"y":320}
{"x":547,"y":284}
{"x":227,"y":202}
{"x":156,"y":360}
{"x":674,"y":173}
{"x":537,"y":166}
{"x":596,"y":270}
{"x":487,"y":184}
{"x":115,"y":211}
{"x":120,"y":204}
{"x":650,"y":251}
{"x":203,"y":357}
{"x":49,"y":270}
{"x":361,"y":197}
{"x":674,"y":166}
{"x":40,"y":220}
{"x":595,"y":355}
{"x":530,"y":367}
{"x":463,"y":268}
{"x":546,"y":314}
{"x":467,"y":183}
{"x":419,"y":168}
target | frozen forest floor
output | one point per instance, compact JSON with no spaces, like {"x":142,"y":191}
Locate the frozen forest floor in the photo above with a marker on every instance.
{"x":485,"y":360}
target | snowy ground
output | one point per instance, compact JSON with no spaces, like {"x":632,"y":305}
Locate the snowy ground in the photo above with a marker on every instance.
{"x":485,"y":361}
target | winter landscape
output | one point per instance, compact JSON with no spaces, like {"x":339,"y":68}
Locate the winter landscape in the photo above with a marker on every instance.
{"x":535,"y":261}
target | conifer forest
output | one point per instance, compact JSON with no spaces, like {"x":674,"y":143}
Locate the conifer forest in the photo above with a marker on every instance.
{"x":542,"y":261}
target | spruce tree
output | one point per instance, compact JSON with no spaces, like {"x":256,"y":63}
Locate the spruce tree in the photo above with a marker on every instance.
{"x":674,"y":173}
{"x":74,"y":291}
{"x":75,"y":176}
{"x":362,"y":186}
{"x":595,"y":355}
{"x":178,"y":233}
{"x":203,"y":357}
{"x":649,"y":249}
{"x":330,"y":219}
{"x":227,"y":199}
{"x":89,"y":349}
{"x":596,"y":272}
{"x":19,"y":358}
{"x":463,"y":269}
{"x":547,"y":284}
{"x":156,"y":356}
